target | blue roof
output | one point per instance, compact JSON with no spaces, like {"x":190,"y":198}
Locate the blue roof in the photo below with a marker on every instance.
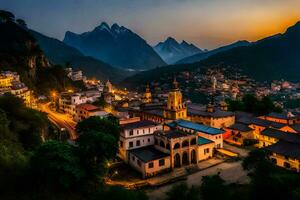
{"x":202,"y":141}
{"x":196,"y":127}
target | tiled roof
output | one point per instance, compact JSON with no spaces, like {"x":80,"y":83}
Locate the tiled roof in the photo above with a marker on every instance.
{"x":194,"y":109}
{"x":286,"y":149}
{"x":266,"y":123}
{"x":202,"y":141}
{"x":175,"y":134}
{"x":138,"y":124}
{"x":147,"y":154}
{"x":281,"y":135}
{"x":88,"y":107}
{"x":240,"y":127}
{"x":196,"y":127}
{"x":284,"y":115}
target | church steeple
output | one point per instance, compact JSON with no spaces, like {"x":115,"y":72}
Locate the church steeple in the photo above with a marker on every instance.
{"x":175,"y":109}
{"x":147,"y":98}
{"x":175,"y":84}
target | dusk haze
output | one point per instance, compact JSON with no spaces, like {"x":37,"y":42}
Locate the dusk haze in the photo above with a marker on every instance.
{"x":150,"y":99}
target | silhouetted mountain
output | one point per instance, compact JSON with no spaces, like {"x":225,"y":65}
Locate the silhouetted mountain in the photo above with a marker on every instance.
{"x":201,"y":56}
{"x":115,"y":45}
{"x":171,"y":51}
{"x":272,"y":58}
{"x":20,"y":52}
{"x":60,"y":53}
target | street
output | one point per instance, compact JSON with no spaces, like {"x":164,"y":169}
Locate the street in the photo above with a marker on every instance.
{"x":60,"y":120}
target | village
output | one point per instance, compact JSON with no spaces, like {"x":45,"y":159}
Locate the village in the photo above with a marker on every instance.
{"x":163,"y":135}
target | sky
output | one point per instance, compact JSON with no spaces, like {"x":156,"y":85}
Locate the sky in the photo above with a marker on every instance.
{"x":206,"y":23}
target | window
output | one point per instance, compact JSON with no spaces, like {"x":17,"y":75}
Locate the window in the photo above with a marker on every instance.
{"x":131,"y":132}
{"x":206,"y":150}
{"x":149,"y":131}
{"x":150,"y":165}
{"x":138,"y":143}
{"x":130,"y":144}
{"x":137,"y":131}
{"x":148,"y":139}
{"x":161,"y":162}
{"x":143,"y":131}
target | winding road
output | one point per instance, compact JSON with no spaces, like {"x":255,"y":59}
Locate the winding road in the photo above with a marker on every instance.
{"x":60,"y":120}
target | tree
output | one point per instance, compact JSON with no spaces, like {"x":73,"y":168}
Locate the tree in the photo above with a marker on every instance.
{"x":22,"y":23}
{"x":251,"y":104}
{"x":95,"y":149}
{"x":55,"y":167}
{"x":108,"y":126}
{"x":6,"y":16}
{"x":28,"y":125}
{"x":209,"y":185}
{"x":182,"y":191}
{"x":117,"y":193}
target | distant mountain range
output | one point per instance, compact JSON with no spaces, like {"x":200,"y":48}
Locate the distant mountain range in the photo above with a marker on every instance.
{"x":171,"y":51}
{"x":203,"y":55}
{"x":273,"y":58}
{"x":115,"y":45}
{"x":60,"y":53}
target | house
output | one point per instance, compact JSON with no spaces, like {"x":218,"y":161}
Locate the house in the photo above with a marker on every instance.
{"x":84,"y":111}
{"x":149,"y":161}
{"x":210,"y":133}
{"x":285,"y":117}
{"x":238,"y":132}
{"x":217,"y":117}
{"x":136,"y":134}
{"x":283,"y":148}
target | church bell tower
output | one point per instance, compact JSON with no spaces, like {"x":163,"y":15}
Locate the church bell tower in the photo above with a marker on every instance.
{"x":175,"y":109}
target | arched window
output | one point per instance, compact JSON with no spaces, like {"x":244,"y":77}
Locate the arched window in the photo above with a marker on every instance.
{"x":185,"y":143}
{"x":176,"y":146}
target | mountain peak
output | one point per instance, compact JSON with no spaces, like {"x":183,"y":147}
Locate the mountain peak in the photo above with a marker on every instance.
{"x":170,"y":39}
{"x":115,"y":26}
{"x":103,"y":26}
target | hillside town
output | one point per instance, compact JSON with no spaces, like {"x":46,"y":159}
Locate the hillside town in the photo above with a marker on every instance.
{"x":162,"y":132}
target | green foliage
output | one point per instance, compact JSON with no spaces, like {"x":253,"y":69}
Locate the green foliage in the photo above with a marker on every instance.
{"x":209,"y":185}
{"x":117,"y":193}
{"x":95,"y":149}
{"x":182,"y":191}
{"x":55,"y":166}
{"x":55,"y":79}
{"x":109,"y":126}
{"x":251,"y":104}
{"x":28,"y":126}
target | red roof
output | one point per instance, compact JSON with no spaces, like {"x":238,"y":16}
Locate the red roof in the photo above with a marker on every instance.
{"x":87,"y":107}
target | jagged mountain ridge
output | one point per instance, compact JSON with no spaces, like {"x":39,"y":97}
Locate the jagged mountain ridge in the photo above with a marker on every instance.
{"x":115,"y":45}
{"x":60,"y":53}
{"x":171,"y":51}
